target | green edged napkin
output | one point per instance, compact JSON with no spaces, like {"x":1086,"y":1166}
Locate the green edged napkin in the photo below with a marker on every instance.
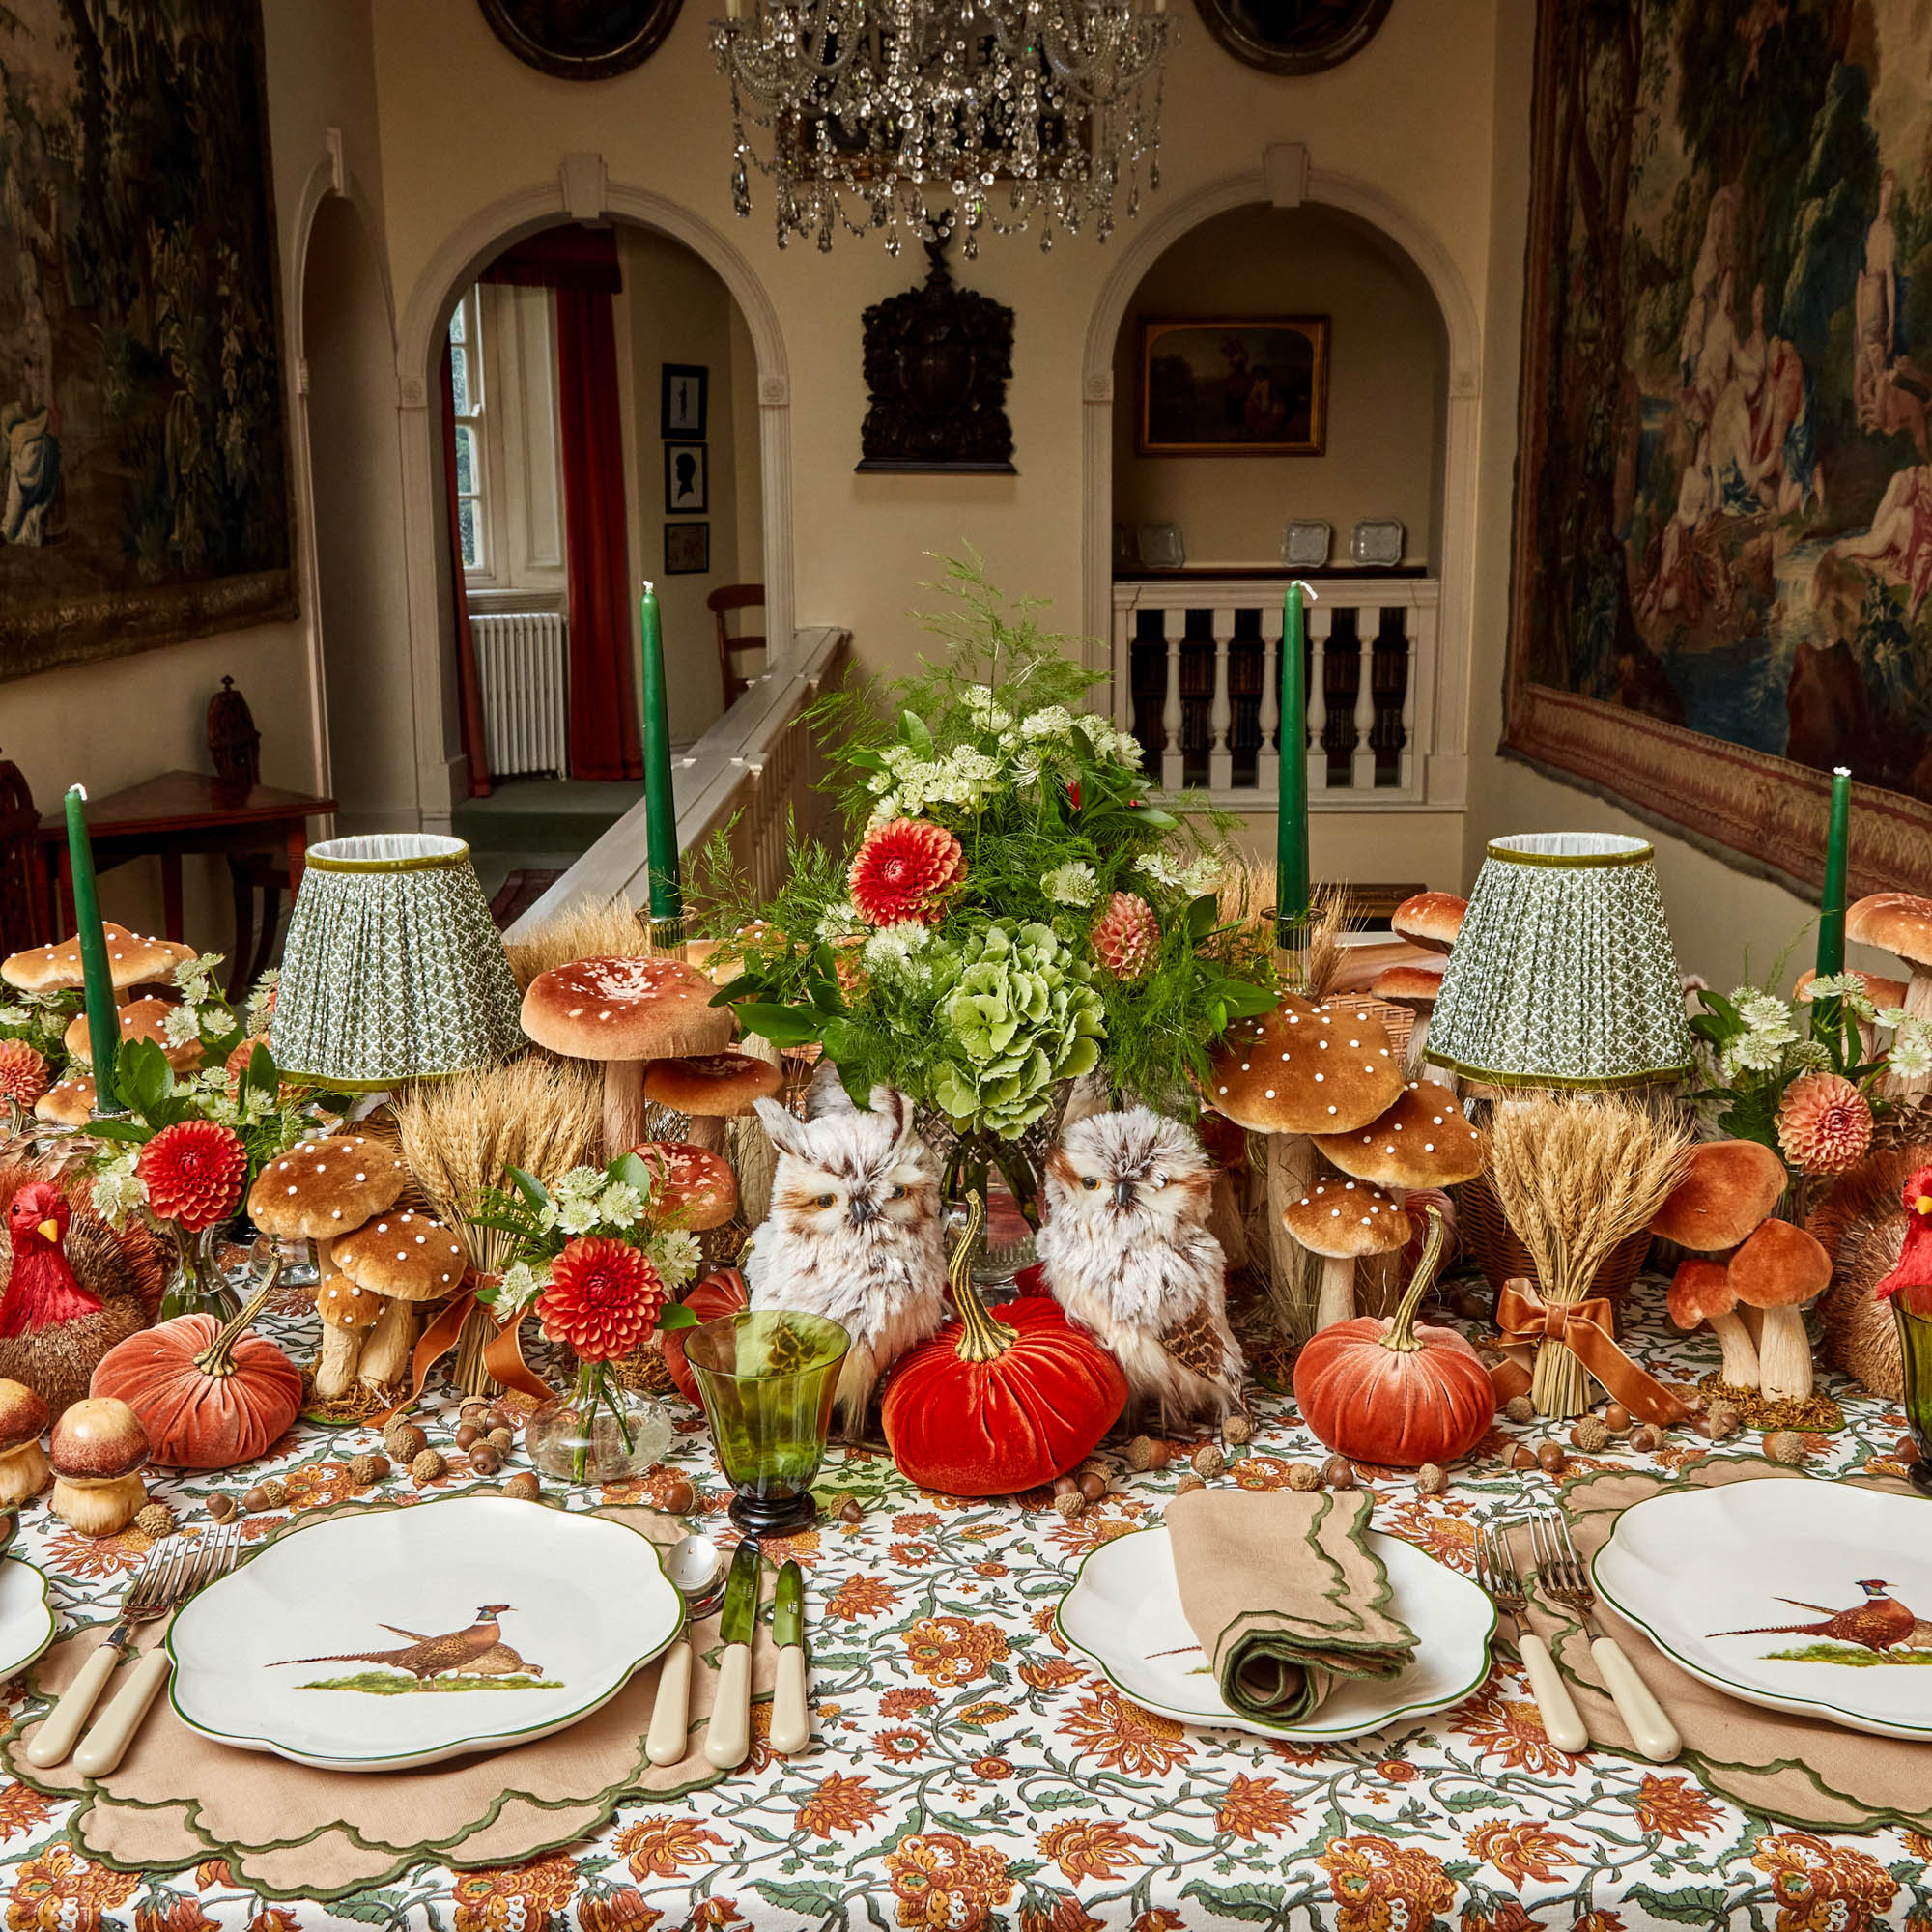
{"x":1285,"y":1595}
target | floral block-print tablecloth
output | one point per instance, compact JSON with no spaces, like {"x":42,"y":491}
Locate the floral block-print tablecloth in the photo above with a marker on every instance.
{"x":967,"y":1772}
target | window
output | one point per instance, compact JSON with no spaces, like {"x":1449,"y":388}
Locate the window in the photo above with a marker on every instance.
{"x":465,"y":373}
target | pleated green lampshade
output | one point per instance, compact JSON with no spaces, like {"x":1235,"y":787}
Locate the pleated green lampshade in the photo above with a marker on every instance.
{"x":1564,"y":974}
{"x":393,"y":969}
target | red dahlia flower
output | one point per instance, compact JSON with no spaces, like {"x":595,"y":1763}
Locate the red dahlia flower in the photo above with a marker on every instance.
{"x":604,"y":1298}
{"x":900,"y":870}
{"x":193,"y":1172}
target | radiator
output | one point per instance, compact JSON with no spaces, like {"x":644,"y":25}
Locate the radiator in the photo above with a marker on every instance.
{"x":521,"y":659}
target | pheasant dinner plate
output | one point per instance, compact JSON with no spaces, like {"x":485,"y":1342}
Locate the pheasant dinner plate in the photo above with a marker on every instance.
{"x":26,"y":1617}
{"x":401,"y":1635}
{"x":1123,"y":1612}
{"x":1803,"y":1596}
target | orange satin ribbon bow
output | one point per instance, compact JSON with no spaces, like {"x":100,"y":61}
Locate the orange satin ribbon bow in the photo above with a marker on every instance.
{"x":1583,"y":1328}
{"x":503,"y":1357}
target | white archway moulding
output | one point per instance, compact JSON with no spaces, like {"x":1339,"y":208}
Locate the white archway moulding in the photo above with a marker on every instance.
{"x":1447,"y":758}
{"x":580,"y":192}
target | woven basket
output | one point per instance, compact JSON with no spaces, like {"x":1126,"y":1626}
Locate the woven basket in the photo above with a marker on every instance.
{"x":1489,"y":1241}
{"x":1398,"y":1022}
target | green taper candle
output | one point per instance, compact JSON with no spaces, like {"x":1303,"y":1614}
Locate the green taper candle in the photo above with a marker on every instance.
{"x":660,"y":804}
{"x":104,"y":1021}
{"x":1291,"y":858}
{"x":1837,"y":843}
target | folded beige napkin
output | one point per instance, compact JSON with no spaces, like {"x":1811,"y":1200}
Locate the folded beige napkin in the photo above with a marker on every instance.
{"x":1799,"y":1770}
{"x":1285,"y":1595}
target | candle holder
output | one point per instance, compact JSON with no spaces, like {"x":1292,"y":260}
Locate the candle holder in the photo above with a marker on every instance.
{"x":767,"y":1378}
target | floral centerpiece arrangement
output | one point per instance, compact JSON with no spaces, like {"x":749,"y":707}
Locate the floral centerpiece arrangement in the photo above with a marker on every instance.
{"x":1013,"y":911}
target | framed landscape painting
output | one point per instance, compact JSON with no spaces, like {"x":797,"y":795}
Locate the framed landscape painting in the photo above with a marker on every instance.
{"x":145,"y":493}
{"x":1723,"y":514}
{"x":1243,"y":386}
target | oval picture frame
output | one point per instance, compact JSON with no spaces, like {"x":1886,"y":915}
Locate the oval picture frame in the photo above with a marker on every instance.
{"x":1325,"y":34}
{"x":631,"y":32}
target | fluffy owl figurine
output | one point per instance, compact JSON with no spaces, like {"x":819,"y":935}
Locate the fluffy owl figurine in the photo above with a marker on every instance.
{"x":1125,"y":1250}
{"x":853,"y":1231}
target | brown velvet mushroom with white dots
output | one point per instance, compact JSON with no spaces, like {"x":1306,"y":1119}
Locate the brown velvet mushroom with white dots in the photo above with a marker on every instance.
{"x":1305,"y":1069}
{"x":132,"y":960}
{"x":348,"y":1313}
{"x":409,"y":1258}
{"x":322,"y":1189}
{"x":67,"y":1103}
{"x":139,"y":1019}
{"x":1342,"y":1220}
{"x":1422,"y":1140}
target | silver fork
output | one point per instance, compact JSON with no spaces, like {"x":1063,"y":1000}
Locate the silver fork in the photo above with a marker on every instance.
{"x":1497,"y":1573}
{"x":1560,"y":1569}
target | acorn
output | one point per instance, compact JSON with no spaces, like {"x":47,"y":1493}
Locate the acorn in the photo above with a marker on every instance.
{"x":223,"y":1507}
{"x":1209,"y":1461}
{"x":275,"y":1492}
{"x":1646,"y":1437}
{"x":1520,"y":1409}
{"x":468,"y":1436}
{"x":425,"y":1466}
{"x":405,"y":1441}
{"x":1238,"y":1428}
{"x":1189,"y":1480}
{"x":1339,"y":1473}
{"x":1906,"y":1451}
{"x":1144,"y":1452}
{"x":1431,"y":1480}
{"x":497,"y":1417}
{"x":1522,"y":1456}
{"x":368,"y":1468}
{"x":525,"y":1487}
{"x":1786,"y":1446}
{"x":1589,"y":1434}
{"x":1551,"y":1460}
{"x":677,"y":1495}
{"x":484,"y":1459}
{"x":1721,"y":1420}
{"x":1092,"y":1484}
{"x":1303,"y":1476}
{"x":154,"y":1520}
{"x":1067,"y":1498}
{"x":503,"y":1439}
{"x":1616,"y":1418}
{"x":850,"y":1509}
{"x":472,"y":1408}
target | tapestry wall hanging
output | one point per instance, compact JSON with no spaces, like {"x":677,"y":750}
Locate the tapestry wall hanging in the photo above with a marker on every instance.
{"x":1724,"y":516}
{"x":141,"y":424}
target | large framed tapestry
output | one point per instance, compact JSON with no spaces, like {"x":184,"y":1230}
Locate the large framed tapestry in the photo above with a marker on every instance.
{"x":145,"y":493}
{"x":1723,"y":517}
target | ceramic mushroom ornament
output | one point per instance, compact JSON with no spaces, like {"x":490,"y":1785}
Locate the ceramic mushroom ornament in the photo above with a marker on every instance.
{"x":1779,"y":1269}
{"x":1701,"y":1292}
{"x":99,"y":1451}
{"x":623,"y":1012}
{"x":24,"y":1462}
{"x":1899,"y":924}
{"x":406,"y":1257}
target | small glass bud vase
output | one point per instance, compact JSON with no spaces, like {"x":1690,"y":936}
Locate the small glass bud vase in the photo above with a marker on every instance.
{"x":199,"y":1284}
{"x":598,"y":1431}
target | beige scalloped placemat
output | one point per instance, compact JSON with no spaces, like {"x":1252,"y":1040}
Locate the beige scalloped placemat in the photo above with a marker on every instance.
{"x":291,"y":1831}
{"x":1797,"y":1770}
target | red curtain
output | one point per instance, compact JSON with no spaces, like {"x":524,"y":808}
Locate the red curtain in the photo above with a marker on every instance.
{"x":603,"y":739}
{"x":469,"y":684}
{"x":560,"y":258}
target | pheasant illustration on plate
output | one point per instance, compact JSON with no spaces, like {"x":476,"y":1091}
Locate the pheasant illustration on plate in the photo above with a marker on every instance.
{"x":473,"y":1658}
{"x":1880,"y":1630}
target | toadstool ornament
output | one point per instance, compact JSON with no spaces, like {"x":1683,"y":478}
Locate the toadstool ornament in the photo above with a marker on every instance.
{"x":24,"y":1462}
{"x":1727,"y":1190}
{"x":1342,"y":1220}
{"x":1701,"y":1293}
{"x":1779,"y":1269}
{"x":1431,"y":921}
{"x":1899,"y":924}
{"x":622,"y":1012}
{"x":1417,"y":987}
{"x":709,"y":1089}
{"x":132,"y":960}
{"x":140,"y":1019}
{"x":97,"y":1452}
{"x":408,"y":1258}
{"x":694,"y":1186}
{"x":67,"y":1103}
{"x":347,"y":1312}
{"x":322,"y":1189}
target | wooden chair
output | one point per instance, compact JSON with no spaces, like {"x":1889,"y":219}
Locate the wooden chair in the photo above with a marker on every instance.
{"x":734,"y":597}
{"x":23,"y":892}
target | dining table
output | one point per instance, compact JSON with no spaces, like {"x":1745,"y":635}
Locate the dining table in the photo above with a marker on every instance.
{"x":967,"y":1768}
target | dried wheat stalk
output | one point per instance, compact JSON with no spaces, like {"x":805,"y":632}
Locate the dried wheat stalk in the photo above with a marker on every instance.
{"x":584,"y":930}
{"x":1575,"y":1176}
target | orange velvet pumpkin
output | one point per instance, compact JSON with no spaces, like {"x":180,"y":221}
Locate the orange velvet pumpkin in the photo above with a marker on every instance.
{"x":1000,"y":1402}
{"x":209,"y":1396}
{"x":1390,"y":1391}
{"x":721,"y":1292}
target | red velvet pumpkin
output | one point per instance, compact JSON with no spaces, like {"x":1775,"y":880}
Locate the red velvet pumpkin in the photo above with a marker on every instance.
{"x":1389,"y":1390}
{"x":721,"y":1292}
{"x":1000,"y":1402}
{"x":209,"y":1396}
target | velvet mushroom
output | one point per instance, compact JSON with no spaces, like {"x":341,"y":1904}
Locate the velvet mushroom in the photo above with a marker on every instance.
{"x":67,"y":1103}
{"x":1417,"y":987}
{"x":1778,"y":1270}
{"x":140,"y":1019}
{"x":709,"y":1089}
{"x":132,"y":960}
{"x":24,"y":1462}
{"x":408,"y":1258}
{"x":322,"y":1189}
{"x":1343,"y":1221}
{"x":1702,"y":1292}
{"x":97,"y":1452}
{"x":623,"y":1012}
{"x":348,"y":1313}
{"x":1431,"y":921}
{"x":1727,"y":1190}
{"x":692,"y":1185}
{"x":1899,"y":924}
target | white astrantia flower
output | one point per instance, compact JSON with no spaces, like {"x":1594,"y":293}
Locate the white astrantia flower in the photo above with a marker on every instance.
{"x":1763,"y":1013}
{"x":1810,"y":1056}
{"x":676,"y":1254}
{"x":1054,"y":721}
{"x":840,"y":921}
{"x":1157,"y":867}
{"x":1895,"y":1016}
{"x":1754,"y":1052}
{"x":1911,"y":1056}
{"x":1072,"y":884}
{"x":895,"y":946}
{"x":118,"y":1191}
{"x":259,"y":996}
{"x":15,"y":1017}
{"x":580,"y":1182}
{"x":1204,"y":874}
{"x":576,"y":1215}
{"x":521,"y":1285}
{"x":620,"y":1204}
{"x":1845,"y":986}
{"x":181,"y":1025}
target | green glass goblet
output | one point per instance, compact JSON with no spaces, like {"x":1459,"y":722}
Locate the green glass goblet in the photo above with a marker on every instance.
{"x":768,"y":1377}
{"x":1915,"y":1348}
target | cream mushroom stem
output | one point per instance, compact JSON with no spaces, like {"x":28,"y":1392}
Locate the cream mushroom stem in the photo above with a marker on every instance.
{"x":1740,"y":1366}
{"x":1784,"y":1355}
{"x":342,"y":1350}
{"x":706,"y":1131}
{"x":23,"y":1472}
{"x":1290,"y":1169}
{"x":1337,"y":1300}
{"x":623,"y":1106}
{"x":385,"y":1355}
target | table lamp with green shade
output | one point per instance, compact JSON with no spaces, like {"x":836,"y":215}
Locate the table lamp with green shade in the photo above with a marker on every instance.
{"x":1564,"y":975}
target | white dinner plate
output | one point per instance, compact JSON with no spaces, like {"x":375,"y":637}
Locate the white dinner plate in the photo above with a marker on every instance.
{"x":26,"y":1617}
{"x":1707,"y":1574}
{"x":299,"y":1652}
{"x":1123,"y":1611}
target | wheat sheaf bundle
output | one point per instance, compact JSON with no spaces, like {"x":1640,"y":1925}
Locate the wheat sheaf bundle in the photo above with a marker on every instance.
{"x":1575,"y":1176}
{"x":585,"y":930}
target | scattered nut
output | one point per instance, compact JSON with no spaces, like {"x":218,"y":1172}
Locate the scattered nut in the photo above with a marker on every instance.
{"x":1140,"y":1452}
{"x":223,"y":1507}
{"x":1339,"y":1473}
{"x":425,"y":1466}
{"x":525,"y":1487}
{"x":1093,"y":1485}
{"x":275,"y":1492}
{"x":1551,"y":1460}
{"x":1785,"y":1445}
{"x":1189,"y":1480}
{"x":1209,"y":1461}
{"x":1431,"y":1480}
{"x":1303,"y":1476}
{"x":1721,"y":1419}
{"x":367,"y":1468}
{"x":1522,"y":1456}
{"x":1238,"y":1428}
{"x":1067,"y":1498}
{"x":154,"y":1520}
{"x":405,"y":1441}
{"x":1589,"y":1435}
{"x":1646,"y":1437}
{"x":1520,"y":1409}
{"x":484,"y":1457}
{"x":503,"y":1439}
{"x":850,"y":1509}
{"x":472,"y":1408}
{"x":468,"y":1436}
{"x":496,"y":1417}
{"x":1616,"y":1418}
{"x":1907,"y":1451}
{"x":678,"y":1495}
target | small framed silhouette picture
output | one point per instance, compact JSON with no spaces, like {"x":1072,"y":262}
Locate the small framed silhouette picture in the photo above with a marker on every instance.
{"x":684,"y":388}
{"x":687,"y":483}
{"x":687,"y":549}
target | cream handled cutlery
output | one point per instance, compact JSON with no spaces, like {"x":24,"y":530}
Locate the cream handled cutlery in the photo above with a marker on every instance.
{"x":728,"y":1739}
{"x":1497,"y":1573}
{"x":792,"y":1716}
{"x":696,"y":1571}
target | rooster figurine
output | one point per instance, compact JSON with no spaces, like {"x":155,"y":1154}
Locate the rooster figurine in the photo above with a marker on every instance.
{"x":70,"y":1288}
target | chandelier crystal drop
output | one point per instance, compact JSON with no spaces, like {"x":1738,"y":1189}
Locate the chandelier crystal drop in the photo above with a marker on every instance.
{"x":898,"y":115}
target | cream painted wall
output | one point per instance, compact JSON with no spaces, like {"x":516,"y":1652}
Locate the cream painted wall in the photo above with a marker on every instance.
{"x":1388,"y":376}
{"x":1719,"y":916}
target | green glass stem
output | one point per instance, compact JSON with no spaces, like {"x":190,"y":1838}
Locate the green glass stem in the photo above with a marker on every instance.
{"x":1915,"y":1348}
{"x":198,"y":1285}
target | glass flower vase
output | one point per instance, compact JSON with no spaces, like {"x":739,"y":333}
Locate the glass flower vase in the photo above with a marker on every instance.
{"x":597,"y":1432}
{"x":1915,"y":1349}
{"x":198,"y":1285}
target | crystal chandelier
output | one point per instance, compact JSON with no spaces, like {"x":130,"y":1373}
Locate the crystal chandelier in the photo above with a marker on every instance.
{"x":1012,"y":110}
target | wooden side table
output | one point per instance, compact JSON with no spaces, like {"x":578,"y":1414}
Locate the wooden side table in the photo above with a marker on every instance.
{"x":179,"y":812}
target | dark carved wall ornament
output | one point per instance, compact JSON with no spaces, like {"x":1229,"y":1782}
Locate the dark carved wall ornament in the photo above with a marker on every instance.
{"x":937,"y":363}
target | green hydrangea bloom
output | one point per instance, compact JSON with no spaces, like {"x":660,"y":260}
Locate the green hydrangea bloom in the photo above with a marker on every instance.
{"x":1017,"y":1015}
